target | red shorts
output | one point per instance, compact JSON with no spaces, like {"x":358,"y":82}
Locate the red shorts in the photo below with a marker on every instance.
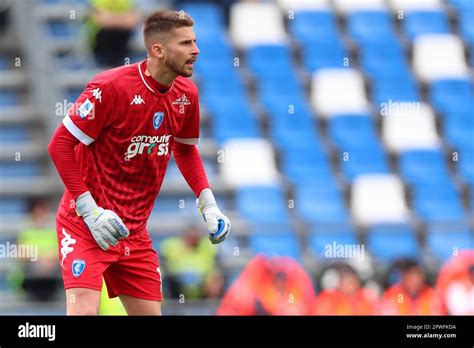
{"x":130,"y":268}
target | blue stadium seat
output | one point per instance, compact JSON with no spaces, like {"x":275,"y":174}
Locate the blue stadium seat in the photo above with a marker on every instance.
{"x":275,"y":243}
{"x":389,"y":242}
{"x":361,"y":24}
{"x":349,"y":131}
{"x":262,"y":204}
{"x":19,"y":169}
{"x":13,"y":206}
{"x":9,"y":98}
{"x":418,"y":166}
{"x":425,"y":22}
{"x":61,"y":29}
{"x":295,"y":139}
{"x":208,"y":17}
{"x":434,"y":202}
{"x":310,"y":26}
{"x":458,"y":128}
{"x":320,"y":204}
{"x":223,"y":103}
{"x":384,"y":60}
{"x":402,"y":88}
{"x":461,"y":5}
{"x":466,"y":24}
{"x":304,"y":167}
{"x":4,"y":62}
{"x":14,"y":134}
{"x":322,"y":239}
{"x":235,"y":124}
{"x":285,"y":84}
{"x":266,"y":60}
{"x":445,"y":95}
{"x":329,"y":53}
{"x":466,"y":163}
{"x":444,"y":241}
{"x":283,"y":104}
{"x":363,"y":160}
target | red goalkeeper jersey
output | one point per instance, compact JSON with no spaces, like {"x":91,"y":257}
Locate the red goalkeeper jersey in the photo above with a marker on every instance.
{"x":126,"y":128}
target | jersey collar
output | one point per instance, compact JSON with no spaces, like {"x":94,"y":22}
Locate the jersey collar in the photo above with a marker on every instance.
{"x":150,"y":83}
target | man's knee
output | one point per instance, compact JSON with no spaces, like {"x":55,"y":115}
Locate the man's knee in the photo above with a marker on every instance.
{"x":82,"y":302}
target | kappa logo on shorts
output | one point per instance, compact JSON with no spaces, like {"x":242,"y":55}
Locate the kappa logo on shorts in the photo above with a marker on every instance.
{"x":66,"y":245}
{"x":78,"y":267}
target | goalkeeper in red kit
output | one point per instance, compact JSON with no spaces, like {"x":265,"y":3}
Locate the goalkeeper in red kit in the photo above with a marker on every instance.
{"x":111,"y":151}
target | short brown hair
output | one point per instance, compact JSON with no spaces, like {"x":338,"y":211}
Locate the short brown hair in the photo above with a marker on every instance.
{"x":162,"y":22}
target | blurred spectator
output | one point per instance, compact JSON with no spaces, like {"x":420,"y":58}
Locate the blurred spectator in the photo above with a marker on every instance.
{"x":109,"y":28}
{"x":38,"y":276}
{"x":190,"y":265}
{"x":411,"y":295}
{"x":348,"y":298}
{"x":269,"y":286}
{"x":456,"y":284}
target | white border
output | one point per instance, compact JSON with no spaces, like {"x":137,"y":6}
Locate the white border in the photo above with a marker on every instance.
{"x":78,"y":134}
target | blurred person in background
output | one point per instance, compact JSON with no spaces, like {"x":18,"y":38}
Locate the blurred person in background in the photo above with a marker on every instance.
{"x":190,"y":265}
{"x":269,"y":286}
{"x":109,"y":28}
{"x":455,"y":284}
{"x":411,"y":295}
{"x":38,"y":277}
{"x":347,"y":298}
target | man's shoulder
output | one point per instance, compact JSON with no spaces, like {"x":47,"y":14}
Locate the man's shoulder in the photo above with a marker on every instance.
{"x":115,"y":76}
{"x":186,"y":85}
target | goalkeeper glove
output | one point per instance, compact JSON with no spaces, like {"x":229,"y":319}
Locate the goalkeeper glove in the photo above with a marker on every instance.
{"x":105,"y":226}
{"x":218,"y":225}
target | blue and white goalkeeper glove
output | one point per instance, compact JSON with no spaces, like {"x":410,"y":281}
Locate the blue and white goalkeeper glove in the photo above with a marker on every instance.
{"x":218,"y":225}
{"x":105,"y":226}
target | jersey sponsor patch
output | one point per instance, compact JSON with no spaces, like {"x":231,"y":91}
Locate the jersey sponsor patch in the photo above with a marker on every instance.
{"x":85,"y":108}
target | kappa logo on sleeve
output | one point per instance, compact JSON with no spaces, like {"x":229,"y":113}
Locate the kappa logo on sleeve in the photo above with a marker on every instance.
{"x":97,"y":93}
{"x":85,"y":109}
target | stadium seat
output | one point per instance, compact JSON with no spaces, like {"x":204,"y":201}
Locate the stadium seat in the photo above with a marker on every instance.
{"x":439,"y":56}
{"x":12,"y":170}
{"x":350,"y":131}
{"x":425,"y":22}
{"x":305,"y":166}
{"x":358,"y":161}
{"x":458,"y":128}
{"x":360,"y":26}
{"x":433,"y":202}
{"x":461,"y":5}
{"x":13,"y":206}
{"x":466,"y":24}
{"x":62,"y":30}
{"x":9,"y":98}
{"x":413,"y":5}
{"x":14,"y":134}
{"x":262,"y":204}
{"x":324,"y":236}
{"x":309,"y":27}
{"x":208,"y":17}
{"x":246,"y":24}
{"x":445,"y":95}
{"x":466,"y":162}
{"x":328,"y":53}
{"x":246,"y":162}
{"x":320,"y":203}
{"x":345,"y":7}
{"x":447,"y":240}
{"x":275,"y":243}
{"x":300,"y":6}
{"x":418,"y":166}
{"x":336,"y":91}
{"x":409,"y":126}
{"x":390,"y":242}
{"x":391,"y":88}
{"x":378,"y":198}
{"x":266,"y":60}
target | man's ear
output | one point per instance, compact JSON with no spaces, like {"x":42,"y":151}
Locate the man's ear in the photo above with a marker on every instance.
{"x":157,"y":50}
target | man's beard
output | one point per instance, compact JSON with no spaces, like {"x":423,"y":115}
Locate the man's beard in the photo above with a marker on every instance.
{"x":178,"y":70}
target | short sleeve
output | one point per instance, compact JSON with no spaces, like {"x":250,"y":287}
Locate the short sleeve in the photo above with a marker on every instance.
{"x":91,"y":113}
{"x":189,"y":130}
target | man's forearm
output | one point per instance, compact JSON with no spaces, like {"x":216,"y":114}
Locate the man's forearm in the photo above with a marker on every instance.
{"x":61,"y":150}
{"x":191,"y":167}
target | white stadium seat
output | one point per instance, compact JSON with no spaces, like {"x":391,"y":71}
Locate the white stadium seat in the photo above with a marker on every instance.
{"x":408,"y":126}
{"x":248,"y":162}
{"x":256,"y":24}
{"x":344,"y":6}
{"x":439,"y":56}
{"x":298,"y":5}
{"x":336,"y":91}
{"x":378,"y":198}
{"x":409,"y":5}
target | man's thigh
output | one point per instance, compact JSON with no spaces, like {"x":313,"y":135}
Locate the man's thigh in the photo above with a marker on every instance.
{"x":81,"y":301}
{"x":137,"y":306}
